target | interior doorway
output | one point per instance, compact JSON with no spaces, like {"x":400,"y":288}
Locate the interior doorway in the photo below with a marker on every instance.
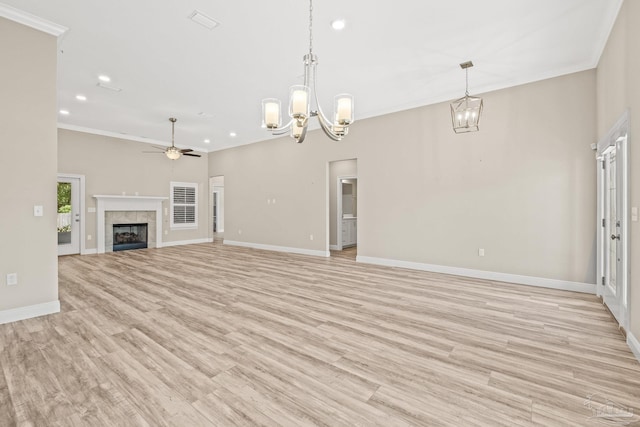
{"x":69,"y":222}
{"x":613,"y":220}
{"x":216,"y":184}
{"x":343,"y":208}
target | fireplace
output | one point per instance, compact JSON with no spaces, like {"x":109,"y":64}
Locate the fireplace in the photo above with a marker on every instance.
{"x":129,"y":236}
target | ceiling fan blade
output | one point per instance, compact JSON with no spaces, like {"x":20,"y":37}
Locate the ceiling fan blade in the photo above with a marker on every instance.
{"x":191,"y":155}
{"x":186,"y":150}
{"x":159,"y":148}
{"x":154,"y":152}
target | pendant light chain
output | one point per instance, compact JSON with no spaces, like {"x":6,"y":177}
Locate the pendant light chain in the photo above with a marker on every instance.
{"x":310,"y":27}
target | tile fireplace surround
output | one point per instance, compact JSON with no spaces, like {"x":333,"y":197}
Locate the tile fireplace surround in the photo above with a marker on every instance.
{"x":115,"y":209}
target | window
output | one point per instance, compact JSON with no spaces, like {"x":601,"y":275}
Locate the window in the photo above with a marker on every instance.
{"x":184,"y":205}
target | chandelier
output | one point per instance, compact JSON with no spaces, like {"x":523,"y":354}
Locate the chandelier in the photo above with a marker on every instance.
{"x":303,"y":104}
{"x":465,"y":112}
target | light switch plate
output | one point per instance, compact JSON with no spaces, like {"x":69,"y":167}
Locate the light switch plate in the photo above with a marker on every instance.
{"x":12,"y":279}
{"x":91,"y":210}
{"x":38,"y":210}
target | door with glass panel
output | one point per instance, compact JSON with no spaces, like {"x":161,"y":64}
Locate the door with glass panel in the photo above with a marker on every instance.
{"x":613,"y":222}
{"x":68,"y":216}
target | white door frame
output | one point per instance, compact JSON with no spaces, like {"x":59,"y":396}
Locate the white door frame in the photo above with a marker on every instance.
{"x":82,"y":210}
{"x":617,"y":138}
{"x":339,"y":209}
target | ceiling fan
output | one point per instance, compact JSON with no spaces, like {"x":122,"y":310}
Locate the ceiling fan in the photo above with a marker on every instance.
{"x":173,"y":152}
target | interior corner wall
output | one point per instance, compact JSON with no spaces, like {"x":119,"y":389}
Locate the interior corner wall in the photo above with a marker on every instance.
{"x":336,"y":169}
{"x":113,"y":166}
{"x":28,"y":168}
{"x":618,"y":88}
{"x":523,"y":188}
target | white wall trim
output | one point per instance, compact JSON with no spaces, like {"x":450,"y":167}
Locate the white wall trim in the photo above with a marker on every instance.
{"x":33,"y":21}
{"x":186,"y":242}
{"x":565,"y":285}
{"x":89,"y":252}
{"x":335,"y":248}
{"x":634,"y":345}
{"x":324,"y":254}
{"x":22,"y":313}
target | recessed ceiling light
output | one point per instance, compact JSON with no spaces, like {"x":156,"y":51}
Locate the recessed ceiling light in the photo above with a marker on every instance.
{"x":104,"y":78}
{"x":338,"y":24}
{"x":232,"y":134}
{"x":64,"y":112}
{"x":81,"y":97}
{"x":206,"y":141}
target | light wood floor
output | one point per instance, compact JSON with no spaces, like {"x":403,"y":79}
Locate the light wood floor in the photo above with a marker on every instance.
{"x":214,"y":335}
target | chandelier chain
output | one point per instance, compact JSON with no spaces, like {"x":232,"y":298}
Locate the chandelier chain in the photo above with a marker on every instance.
{"x":310,"y":27}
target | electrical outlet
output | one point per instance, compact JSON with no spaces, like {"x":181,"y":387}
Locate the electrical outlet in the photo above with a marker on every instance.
{"x":37,"y":210}
{"x":481,"y":252}
{"x":310,"y":236}
{"x":12,"y":279}
{"x":239,"y":231}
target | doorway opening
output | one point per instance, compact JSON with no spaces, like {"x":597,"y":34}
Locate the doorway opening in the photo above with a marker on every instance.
{"x":613,"y":220}
{"x":343,"y":208}
{"x":216,"y":184}
{"x":70,"y":206}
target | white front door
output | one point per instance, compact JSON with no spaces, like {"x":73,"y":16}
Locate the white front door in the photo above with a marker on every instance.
{"x":613,"y":222}
{"x":69,"y":215}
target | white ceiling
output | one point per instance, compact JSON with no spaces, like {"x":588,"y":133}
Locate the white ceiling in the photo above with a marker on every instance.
{"x":392,"y":55}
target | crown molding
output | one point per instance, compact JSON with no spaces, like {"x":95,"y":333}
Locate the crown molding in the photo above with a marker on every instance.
{"x":25,"y":18}
{"x":124,"y":136}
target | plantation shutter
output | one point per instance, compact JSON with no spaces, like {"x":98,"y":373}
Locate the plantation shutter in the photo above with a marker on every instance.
{"x":184,"y":207}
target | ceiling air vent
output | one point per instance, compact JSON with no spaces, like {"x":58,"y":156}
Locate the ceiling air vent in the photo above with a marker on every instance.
{"x":108,"y":86}
{"x":204,"y":20}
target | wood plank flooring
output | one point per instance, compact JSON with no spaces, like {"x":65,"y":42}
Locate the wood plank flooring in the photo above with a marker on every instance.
{"x":210,"y":335}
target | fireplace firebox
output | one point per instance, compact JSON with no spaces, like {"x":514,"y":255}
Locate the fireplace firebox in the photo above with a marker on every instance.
{"x":129,"y":236}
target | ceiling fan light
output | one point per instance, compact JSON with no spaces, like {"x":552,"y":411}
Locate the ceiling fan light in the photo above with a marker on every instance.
{"x":173,"y":153}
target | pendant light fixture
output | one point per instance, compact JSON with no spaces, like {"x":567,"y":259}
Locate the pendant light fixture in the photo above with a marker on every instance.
{"x":466,"y":111}
{"x":303,"y":104}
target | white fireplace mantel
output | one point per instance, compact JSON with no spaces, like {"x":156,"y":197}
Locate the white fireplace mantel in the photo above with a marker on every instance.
{"x":127,"y":203}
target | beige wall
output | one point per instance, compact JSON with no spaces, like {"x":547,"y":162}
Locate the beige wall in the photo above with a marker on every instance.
{"x":112,"y":166}
{"x":336,"y":169}
{"x":618,"y":88}
{"x":28,"y":168}
{"x":523,"y":188}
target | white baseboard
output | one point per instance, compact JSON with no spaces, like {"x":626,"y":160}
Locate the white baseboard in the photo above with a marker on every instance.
{"x":185,"y":242}
{"x":22,"y":313}
{"x":587,"y":288}
{"x":634,"y":345}
{"x":89,"y":252}
{"x":334,"y":248}
{"x":299,"y":251}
